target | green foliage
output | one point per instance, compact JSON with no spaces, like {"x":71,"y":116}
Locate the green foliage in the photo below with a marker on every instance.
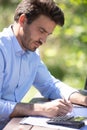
{"x":69,"y":62}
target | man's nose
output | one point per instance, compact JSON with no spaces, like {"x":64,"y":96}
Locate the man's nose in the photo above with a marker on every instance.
{"x":43,"y":39}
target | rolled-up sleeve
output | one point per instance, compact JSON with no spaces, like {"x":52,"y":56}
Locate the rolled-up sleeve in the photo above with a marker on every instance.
{"x":65,"y":90}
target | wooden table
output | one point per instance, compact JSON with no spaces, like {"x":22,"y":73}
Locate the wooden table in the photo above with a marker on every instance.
{"x":15,"y":125}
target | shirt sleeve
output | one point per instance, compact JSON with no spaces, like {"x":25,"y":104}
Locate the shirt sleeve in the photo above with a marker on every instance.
{"x":49,"y":86}
{"x":6,"y":107}
{"x":65,"y":90}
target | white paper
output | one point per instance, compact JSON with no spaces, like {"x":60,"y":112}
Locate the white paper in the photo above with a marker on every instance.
{"x":41,"y":121}
{"x":79,"y":111}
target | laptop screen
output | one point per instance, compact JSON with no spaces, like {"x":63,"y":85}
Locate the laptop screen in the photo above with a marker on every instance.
{"x":85,"y":87}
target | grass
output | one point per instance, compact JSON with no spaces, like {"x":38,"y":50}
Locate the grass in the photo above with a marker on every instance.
{"x":30,"y":94}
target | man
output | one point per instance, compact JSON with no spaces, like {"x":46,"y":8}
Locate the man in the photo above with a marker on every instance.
{"x":21,"y":66}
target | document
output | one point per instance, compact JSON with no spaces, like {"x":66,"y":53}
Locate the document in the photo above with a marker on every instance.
{"x":42,"y":121}
{"x":79,"y":111}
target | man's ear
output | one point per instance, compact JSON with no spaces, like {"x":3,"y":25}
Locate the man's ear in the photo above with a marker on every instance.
{"x":22,"y":19}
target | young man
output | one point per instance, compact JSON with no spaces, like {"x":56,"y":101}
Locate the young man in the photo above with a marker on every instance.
{"x":21,"y":66}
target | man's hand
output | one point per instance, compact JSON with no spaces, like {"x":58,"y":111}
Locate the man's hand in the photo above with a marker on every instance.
{"x":57,"y":107}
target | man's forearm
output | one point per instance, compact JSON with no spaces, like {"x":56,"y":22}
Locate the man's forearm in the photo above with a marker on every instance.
{"x":78,"y":98}
{"x":25,"y":109}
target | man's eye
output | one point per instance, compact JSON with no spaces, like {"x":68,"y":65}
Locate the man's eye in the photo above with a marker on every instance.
{"x":41,"y":30}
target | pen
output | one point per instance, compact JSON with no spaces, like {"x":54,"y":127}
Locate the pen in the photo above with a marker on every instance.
{"x":66,"y":100}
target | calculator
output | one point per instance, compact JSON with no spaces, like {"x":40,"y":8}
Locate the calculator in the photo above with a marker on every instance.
{"x":67,"y":121}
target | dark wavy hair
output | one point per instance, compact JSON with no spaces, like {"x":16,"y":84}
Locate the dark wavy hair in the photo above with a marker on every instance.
{"x":34,"y":8}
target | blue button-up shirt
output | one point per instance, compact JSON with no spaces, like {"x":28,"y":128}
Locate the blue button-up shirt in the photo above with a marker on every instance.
{"x":19,"y":70}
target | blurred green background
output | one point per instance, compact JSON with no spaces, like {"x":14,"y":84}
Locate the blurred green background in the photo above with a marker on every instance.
{"x":65,"y":52}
